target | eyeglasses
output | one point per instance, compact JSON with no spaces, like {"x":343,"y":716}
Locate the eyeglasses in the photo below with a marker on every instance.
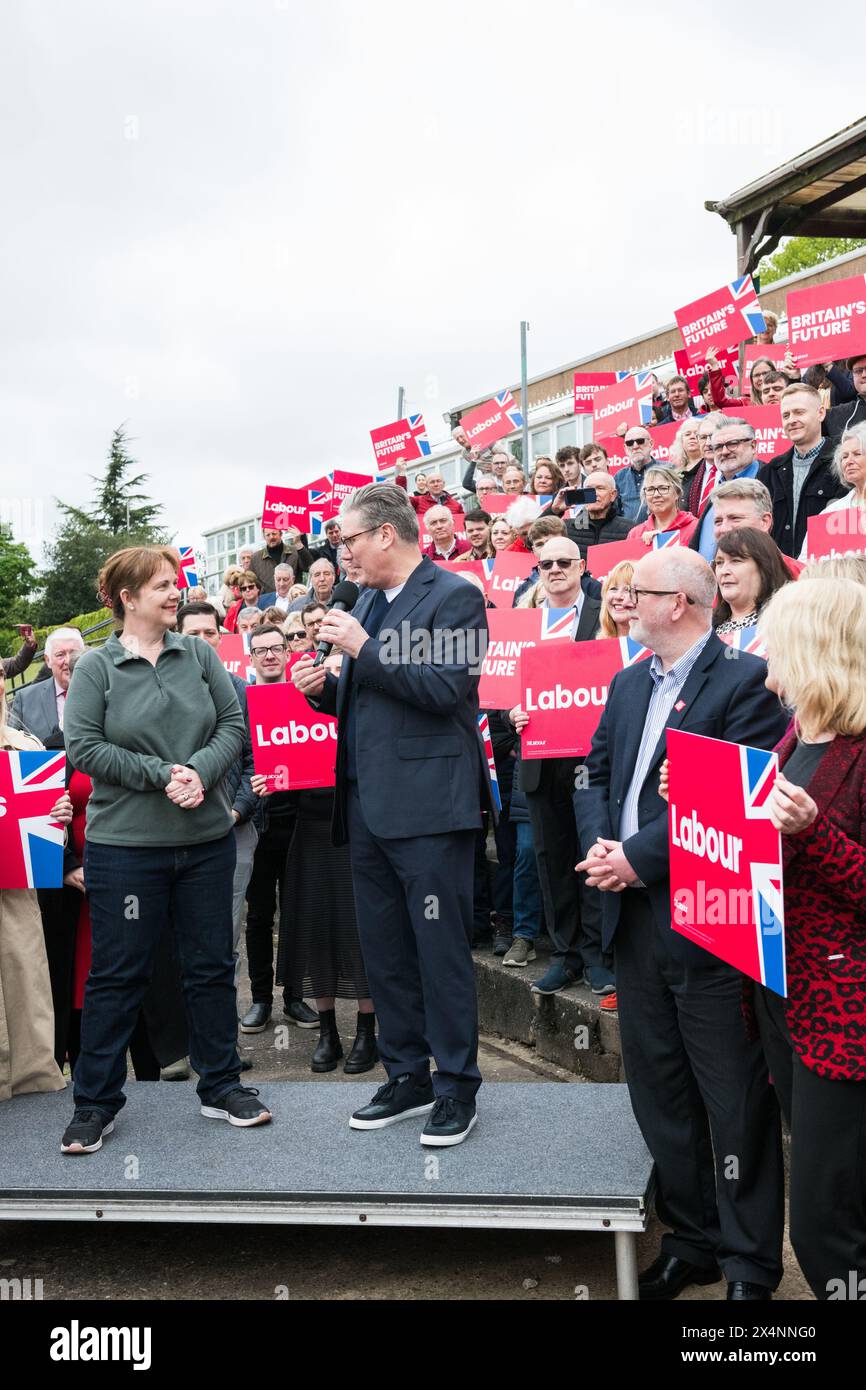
{"x":268,"y":651}
{"x":659,"y":489}
{"x":248,"y":588}
{"x":635,"y":443}
{"x":637,"y":594}
{"x":546,"y":565}
{"x":349,"y":541}
{"x":731,"y":444}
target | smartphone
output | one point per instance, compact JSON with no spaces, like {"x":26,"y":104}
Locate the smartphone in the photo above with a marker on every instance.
{"x":25,"y":630}
{"x":579,"y":496}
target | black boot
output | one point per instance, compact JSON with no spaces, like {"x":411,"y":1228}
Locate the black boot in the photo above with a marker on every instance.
{"x":329,"y":1049}
{"x":364,"y":1054}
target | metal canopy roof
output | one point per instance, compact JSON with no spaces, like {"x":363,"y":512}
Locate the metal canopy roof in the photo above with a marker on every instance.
{"x":821,"y":192}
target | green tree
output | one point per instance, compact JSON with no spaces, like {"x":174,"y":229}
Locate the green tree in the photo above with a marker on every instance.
{"x":17,"y":583}
{"x":801,"y":252}
{"x":121,"y":514}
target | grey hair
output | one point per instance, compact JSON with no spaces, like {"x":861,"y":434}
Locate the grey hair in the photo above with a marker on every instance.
{"x":62,"y":634}
{"x":251,"y":613}
{"x":741,"y":488}
{"x":319,"y":560}
{"x":440,"y":507}
{"x":857,"y":432}
{"x":670,"y":475}
{"x":729,"y":422}
{"x":284,"y":569}
{"x":381,"y":503}
{"x":522,"y":512}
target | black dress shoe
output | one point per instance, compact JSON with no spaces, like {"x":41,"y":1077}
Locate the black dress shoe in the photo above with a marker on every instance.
{"x":299,"y":1013}
{"x":450,"y":1123}
{"x":740,"y":1290}
{"x":398,"y":1099}
{"x":364,"y":1054}
{"x":255,"y":1020}
{"x":329,"y":1049}
{"x":669,"y":1275}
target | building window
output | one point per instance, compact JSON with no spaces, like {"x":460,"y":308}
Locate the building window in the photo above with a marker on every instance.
{"x":211,"y":545}
{"x":539,"y":442}
{"x":566,"y":434}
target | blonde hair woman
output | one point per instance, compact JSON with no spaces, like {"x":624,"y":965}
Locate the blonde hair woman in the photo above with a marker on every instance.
{"x":849,"y":465}
{"x":617,"y":604}
{"x":26,"y":1013}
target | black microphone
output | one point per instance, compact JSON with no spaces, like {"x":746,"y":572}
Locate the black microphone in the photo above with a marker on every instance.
{"x":344,"y":598}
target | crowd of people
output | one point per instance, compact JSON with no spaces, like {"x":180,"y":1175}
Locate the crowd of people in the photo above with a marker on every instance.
{"x":140,"y":950}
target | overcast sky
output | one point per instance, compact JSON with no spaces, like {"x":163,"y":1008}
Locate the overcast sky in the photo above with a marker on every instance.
{"x":240,"y":226}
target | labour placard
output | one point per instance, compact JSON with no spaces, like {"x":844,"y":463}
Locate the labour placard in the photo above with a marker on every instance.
{"x":628,"y":403}
{"x":564,"y":691}
{"x":493,"y":420}
{"x":293,"y":745}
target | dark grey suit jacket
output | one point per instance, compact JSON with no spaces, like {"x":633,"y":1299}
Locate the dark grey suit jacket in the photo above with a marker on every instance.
{"x":35,"y":709}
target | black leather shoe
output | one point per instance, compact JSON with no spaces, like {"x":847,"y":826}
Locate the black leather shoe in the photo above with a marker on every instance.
{"x":739,"y":1290}
{"x":329,"y":1049}
{"x":669,"y":1275}
{"x":256,"y":1019}
{"x":398,"y":1099}
{"x":451,"y":1122}
{"x":364,"y":1054}
{"x":299,"y":1013}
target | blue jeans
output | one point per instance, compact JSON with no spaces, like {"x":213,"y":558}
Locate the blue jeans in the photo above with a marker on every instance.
{"x":132,"y":891}
{"x":528,"y":907}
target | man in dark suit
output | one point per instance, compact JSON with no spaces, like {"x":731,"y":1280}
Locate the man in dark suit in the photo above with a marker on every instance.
{"x":548,"y":784}
{"x":802,"y":481}
{"x":699,"y":1087}
{"x":410,"y":776}
{"x":38,"y":707}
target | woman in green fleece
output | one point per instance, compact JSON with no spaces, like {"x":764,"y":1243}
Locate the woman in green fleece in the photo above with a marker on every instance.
{"x":153,"y":719}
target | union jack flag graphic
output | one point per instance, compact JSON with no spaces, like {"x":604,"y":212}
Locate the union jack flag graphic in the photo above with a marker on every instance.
{"x":506,"y":402}
{"x":644,"y":394}
{"x":187,"y":574}
{"x":769,"y":912}
{"x":557,"y":622}
{"x":746,"y":639}
{"x":419,"y":434}
{"x":484,"y":730}
{"x":319,"y":492}
{"x":488,"y":569}
{"x":631,"y":652}
{"x":31,"y":846}
{"x":662,"y":539}
{"x":758,"y":770}
{"x":743,"y":290}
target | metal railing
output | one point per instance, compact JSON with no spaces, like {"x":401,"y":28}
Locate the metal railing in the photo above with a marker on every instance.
{"x":93,"y":637}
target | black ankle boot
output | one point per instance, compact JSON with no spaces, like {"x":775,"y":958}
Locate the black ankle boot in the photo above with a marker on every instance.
{"x":329,"y":1049}
{"x":364,"y":1054}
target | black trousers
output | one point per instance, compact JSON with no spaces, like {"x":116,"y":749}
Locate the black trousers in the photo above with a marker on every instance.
{"x":269,"y":865}
{"x":413,"y":900}
{"x":827,"y":1196}
{"x":573,"y":918}
{"x":699,"y":1088}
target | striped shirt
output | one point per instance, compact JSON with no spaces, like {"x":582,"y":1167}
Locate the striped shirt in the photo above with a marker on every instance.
{"x":801,"y":463}
{"x":666,"y":688}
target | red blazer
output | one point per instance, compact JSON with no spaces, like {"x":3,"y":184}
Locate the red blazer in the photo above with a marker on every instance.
{"x":825,"y":915}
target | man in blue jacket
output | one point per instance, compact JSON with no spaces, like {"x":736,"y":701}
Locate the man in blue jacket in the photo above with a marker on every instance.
{"x":699,"y":1087}
{"x":411,"y":773}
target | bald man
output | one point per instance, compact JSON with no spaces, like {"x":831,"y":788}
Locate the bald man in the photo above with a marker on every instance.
{"x":445,"y":545}
{"x":698,"y":1086}
{"x":600,"y":521}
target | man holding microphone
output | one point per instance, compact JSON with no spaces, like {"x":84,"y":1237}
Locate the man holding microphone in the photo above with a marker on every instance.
{"x":411,"y":773}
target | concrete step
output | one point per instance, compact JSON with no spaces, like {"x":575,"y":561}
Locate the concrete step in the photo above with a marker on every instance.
{"x":568,"y":1029}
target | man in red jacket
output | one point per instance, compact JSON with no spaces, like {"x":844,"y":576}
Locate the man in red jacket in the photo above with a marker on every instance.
{"x":435,"y":496}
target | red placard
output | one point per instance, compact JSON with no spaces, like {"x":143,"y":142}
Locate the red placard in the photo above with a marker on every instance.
{"x":601,"y":559}
{"x":284,"y":507}
{"x":728,"y":359}
{"x":464,"y":568}
{"x":628,"y":403}
{"x":586,"y":387}
{"x":564,"y":691}
{"x":424,"y":536}
{"x":663,"y":437}
{"x":617,"y":454}
{"x":725,"y":855}
{"x":404,"y":440}
{"x":293,"y":745}
{"x":827,"y":322}
{"x":832,"y":535}
{"x":510,"y":569}
{"x":728,"y":315}
{"x":492,"y":420}
{"x":497,"y":503}
{"x":232,"y":653}
{"x":766,"y":420}
{"x":773,"y":352}
{"x":510,"y":631}
{"x":344,"y":484}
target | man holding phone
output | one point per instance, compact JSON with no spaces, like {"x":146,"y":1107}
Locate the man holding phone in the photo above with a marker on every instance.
{"x":598,"y":521}
{"x":14,"y":665}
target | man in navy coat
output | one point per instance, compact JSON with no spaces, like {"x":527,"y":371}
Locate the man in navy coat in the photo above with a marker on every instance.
{"x":411,"y":774}
{"x":699,"y":1086}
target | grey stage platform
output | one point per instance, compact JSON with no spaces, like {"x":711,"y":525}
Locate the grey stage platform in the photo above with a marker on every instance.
{"x":545,"y":1156}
